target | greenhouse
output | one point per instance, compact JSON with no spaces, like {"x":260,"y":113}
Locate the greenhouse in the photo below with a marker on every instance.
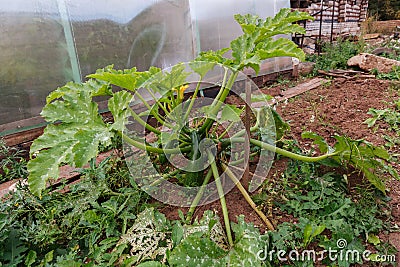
{"x":47,"y":43}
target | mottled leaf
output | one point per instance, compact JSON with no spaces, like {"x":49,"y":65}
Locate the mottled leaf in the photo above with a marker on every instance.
{"x":119,"y":107}
{"x":231,"y":113}
{"x":201,"y":68}
{"x":196,"y":250}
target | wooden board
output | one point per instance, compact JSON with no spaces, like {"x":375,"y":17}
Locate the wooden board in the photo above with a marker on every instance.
{"x":302,"y":88}
{"x":294,"y":91}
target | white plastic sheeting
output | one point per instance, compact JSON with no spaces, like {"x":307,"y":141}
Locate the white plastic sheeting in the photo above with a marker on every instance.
{"x":46,"y":43}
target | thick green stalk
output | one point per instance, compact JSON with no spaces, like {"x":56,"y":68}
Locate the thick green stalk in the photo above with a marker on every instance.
{"x":247,"y":197}
{"x":280,"y":150}
{"x":226,"y":130}
{"x":216,"y":105}
{"x":158,"y":102}
{"x":157,"y":150}
{"x":199,"y":195}
{"x":221,"y":197}
{"x":153,"y":112}
{"x":222,"y":87}
{"x":236,"y":162}
{"x":162,"y":178}
{"x":196,"y":91}
{"x":144,"y":124}
{"x":252,"y":129}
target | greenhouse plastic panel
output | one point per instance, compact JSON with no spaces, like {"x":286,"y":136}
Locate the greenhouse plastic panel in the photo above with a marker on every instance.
{"x":46,"y":43}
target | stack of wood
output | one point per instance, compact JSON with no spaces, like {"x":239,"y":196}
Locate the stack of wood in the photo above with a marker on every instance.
{"x":342,"y":10}
{"x":346,"y":14}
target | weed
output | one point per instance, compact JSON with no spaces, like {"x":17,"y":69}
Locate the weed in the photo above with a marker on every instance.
{"x":326,"y":213}
{"x":81,"y":224}
{"x":392,"y":75}
{"x":392,"y":118}
{"x":335,"y":55}
{"x":12,"y":163}
{"x":283,"y":82}
{"x":327,"y":84}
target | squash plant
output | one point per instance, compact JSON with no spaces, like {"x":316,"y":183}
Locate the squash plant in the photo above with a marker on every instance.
{"x":76,"y":130}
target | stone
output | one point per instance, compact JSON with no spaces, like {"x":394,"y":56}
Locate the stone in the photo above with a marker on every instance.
{"x":369,"y":62}
{"x":371,"y":36}
{"x":380,"y":51}
{"x":306,"y":68}
{"x":302,"y":68}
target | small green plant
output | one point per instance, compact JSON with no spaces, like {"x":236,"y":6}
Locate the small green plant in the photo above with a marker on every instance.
{"x":335,"y":55}
{"x":325,"y":211}
{"x":83,"y":224}
{"x":76,"y":130}
{"x":327,"y":83}
{"x":391,"y":117}
{"x":392,"y":75}
{"x":12,"y":163}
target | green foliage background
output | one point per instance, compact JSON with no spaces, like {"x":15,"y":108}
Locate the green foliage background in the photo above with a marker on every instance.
{"x":384,"y":9}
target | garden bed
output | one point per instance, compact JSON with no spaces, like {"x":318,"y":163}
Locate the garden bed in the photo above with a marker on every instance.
{"x":337,"y":106}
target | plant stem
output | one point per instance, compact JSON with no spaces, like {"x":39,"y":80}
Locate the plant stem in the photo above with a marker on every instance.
{"x":280,"y":150}
{"x":196,"y":91}
{"x":152,"y":111}
{"x":247,"y":197}
{"x":157,"y":101}
{"x":162,"y":178}
{"x":144,"y":124}
{"x":221,"y":197}
{"x":199,"y":195}
{"x":252,"y":129}
{"x":216,"y":105}
{"x":226,"y":130}
{"x":157,"y":150}
{"x":236,"y":162}
{"x":222,"y":87}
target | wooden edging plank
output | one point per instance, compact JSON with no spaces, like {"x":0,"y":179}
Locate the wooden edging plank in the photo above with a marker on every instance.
{"x":66,"y":173}
{"x":302,"y":88}
{"x":294,"y":91}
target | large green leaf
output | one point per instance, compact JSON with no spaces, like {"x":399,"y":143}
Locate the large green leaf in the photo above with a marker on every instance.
{"x":75,"y":108}
{"x":201,"y":68}
{"x":73,"y":139}
{"x":257,"y":42}
{"x":129,"y":79}
{"x":231,"y":113}
{"x":72,"y":144}
{"x":91,"y":87}
{"x":119,"y":107}
{"x":371,"y":160}
{"x":279,"y":48}
{"x":243,"y":51}
{"x":164,"y":82}
{"x":282,"y":23}
{"x":196,"y":250}
{"x":215,"y":57}
{"x":148,"y":236}
{"x":248,"y":245}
